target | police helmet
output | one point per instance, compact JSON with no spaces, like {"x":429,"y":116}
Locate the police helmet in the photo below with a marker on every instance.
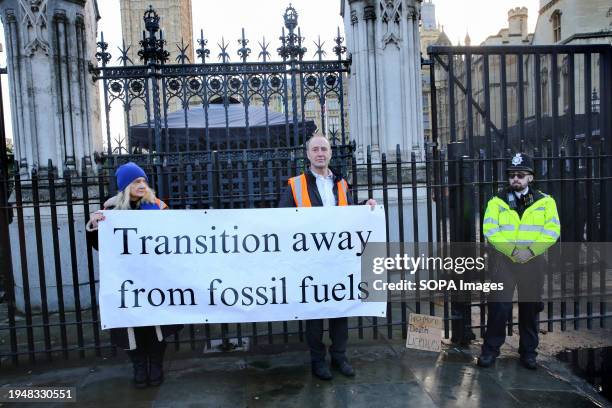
{"x":520,"y":162}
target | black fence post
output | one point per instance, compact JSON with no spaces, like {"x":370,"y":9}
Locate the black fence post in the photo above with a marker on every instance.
{"x":160,"y":165}
{"x":483,"y":196}
{"x":370,"y":195}
{"x":25,"y":275}
{"x":41,"y":261}
{"x":415,"y":224}
{"x":559,"y":165}
{"x":430,"y":233}
{"x":74,"y":264}
{"x":95,"y":326}
{"x":605,"y":86}
{"x":59,"y":284}
{"x":603,"y":219}
{"x":468,"y":234}
{"x":6,"y":260}
{"x":400,"y":217}
{"x":461,"y":222}
{"x":589,"y":233}
{"x":386,"y":205}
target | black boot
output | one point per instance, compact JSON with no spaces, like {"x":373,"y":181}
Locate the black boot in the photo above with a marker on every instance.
{"x":139,"y":362}
{"x":529,"y":362}
{"x":320,"y":370}
{"x":344,"y":367}
{"x":156,"y":369}
{"x":485,"y":360}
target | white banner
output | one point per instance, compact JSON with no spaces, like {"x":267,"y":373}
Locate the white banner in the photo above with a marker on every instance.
{"x":230,"y":266}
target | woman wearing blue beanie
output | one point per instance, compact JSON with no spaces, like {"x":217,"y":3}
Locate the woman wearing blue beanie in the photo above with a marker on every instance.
{"x":145,"y":345}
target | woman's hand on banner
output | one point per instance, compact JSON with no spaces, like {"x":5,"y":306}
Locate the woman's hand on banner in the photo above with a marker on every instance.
{"x":95,"y":218}
{"x":372,"y":203}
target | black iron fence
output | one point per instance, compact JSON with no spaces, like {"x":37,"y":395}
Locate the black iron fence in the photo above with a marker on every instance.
{"x":208,"y":179}
{"x":51,"y":274}
{"x":521,"y":98}
{"x":185,"y":106}
{"x":488,"y":102}
{"x":485,"y":101}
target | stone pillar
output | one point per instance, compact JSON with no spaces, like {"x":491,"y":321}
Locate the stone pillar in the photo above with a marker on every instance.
{"x":385,"y":93}
{"x":55,"y":102}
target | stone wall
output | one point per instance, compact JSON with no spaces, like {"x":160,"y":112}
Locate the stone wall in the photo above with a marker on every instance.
{"x":55,"y":102}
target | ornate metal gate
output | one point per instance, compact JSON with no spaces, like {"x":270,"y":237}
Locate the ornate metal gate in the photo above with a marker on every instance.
{"x":247,"y":111}
{"x":277,"y":87}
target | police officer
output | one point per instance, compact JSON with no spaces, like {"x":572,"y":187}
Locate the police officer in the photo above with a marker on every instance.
{"x":520,"y":223}
{"x":319,"y":186}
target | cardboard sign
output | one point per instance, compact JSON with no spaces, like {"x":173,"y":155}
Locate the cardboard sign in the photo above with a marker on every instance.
{"x":424,"y":332}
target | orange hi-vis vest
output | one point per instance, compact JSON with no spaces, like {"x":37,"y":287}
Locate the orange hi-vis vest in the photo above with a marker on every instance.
{"x":299,"y":188}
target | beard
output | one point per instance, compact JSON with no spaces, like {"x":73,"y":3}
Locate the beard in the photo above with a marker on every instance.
{"x":517,"y":187}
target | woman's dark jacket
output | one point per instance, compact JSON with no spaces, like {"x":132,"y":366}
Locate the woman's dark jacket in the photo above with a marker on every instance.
{"x":119,"y":336}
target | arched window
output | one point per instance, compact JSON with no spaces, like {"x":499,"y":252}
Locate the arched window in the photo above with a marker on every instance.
{"x":555,"y":19}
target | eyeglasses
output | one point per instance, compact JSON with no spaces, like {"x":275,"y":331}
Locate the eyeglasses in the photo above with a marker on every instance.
{"x":519,"y":175}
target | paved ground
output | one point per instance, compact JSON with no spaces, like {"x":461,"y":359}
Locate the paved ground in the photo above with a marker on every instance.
{"x":388,"y":375}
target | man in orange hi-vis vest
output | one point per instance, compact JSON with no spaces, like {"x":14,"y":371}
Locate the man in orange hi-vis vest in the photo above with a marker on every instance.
{"x":319,"y":186}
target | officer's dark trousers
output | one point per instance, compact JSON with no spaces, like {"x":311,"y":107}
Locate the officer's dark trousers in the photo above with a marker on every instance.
{"x":338,"y":333}
{"x":527,"y":279}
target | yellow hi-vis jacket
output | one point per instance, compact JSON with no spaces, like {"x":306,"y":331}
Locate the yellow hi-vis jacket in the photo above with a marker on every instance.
{"x":536,"y":230}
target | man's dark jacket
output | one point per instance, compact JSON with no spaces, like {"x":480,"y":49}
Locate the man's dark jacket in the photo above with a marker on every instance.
{"x":287,"y":200}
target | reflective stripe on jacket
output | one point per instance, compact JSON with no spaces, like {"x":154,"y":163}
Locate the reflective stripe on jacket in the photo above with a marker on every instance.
{"x":299,"y":189}
{"x":537,"y":229}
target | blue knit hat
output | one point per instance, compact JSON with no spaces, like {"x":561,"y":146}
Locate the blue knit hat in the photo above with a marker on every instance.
{"x":127,"y":173}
